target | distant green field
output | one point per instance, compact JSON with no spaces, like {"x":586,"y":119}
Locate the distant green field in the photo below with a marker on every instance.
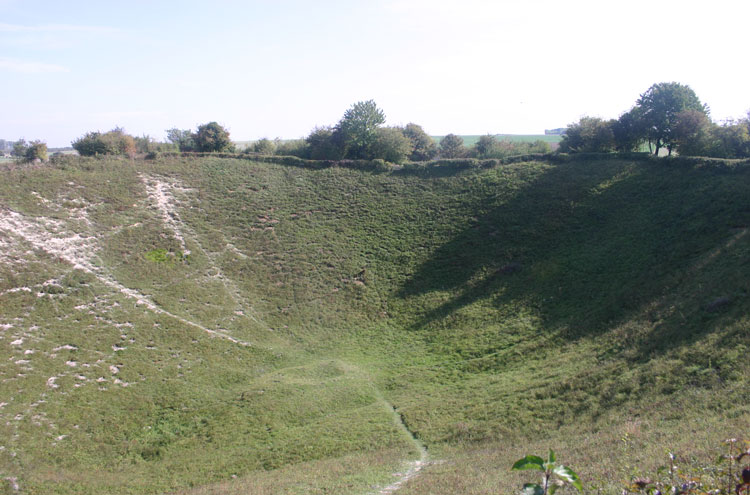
{"x":470,"y":140}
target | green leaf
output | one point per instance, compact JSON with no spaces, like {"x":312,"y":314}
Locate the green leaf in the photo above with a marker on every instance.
{"x":551,"y":457}
{"x":532,"y":489}
{"x":551,"y":490}
{"x":568,"y":475}
{"x":529,"y":462}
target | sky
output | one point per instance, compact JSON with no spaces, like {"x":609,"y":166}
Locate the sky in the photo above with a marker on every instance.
{"x":279,"y":68}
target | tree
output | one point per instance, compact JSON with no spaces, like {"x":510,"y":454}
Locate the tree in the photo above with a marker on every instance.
{"x":324,"y":143}
{"x":37,"y":150}
{"x":659,"y":107}
{"x":692,"y":133}
{"x":212,"y":137}
{"x":183,"y":138}
{"x":19,"y":149}
{"x":486,"y":146}
{"x":423,"y":146}
{"x":452,"y":146}
{"x":263,"y":146}
{"x":391,"y":145}
{"x":628,"y":130}
{"x":590,"y":135}
{"x":357,"y":128}
{"x":731,"y":140}
{"x":28,"y":152}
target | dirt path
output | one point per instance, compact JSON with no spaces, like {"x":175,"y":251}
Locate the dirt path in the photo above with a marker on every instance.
{"x":52,"y":237}
{"x":162,"y":196}
{"x":413,"y":467}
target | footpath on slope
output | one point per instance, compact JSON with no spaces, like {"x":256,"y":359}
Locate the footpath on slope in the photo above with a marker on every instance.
{"x":55,"y":238}
{"x":412,"y":468}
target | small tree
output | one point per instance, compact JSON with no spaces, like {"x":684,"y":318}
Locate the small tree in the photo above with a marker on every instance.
{"x":19,"y":149}
{"x":145,"y":144}
{"x":212,"y":137}
{"x":590,"y":134}
{"x":357,"y":128}
{"x":692,"y":133}
{"x":452,"y":146}
{"x":423,"y":146}
{"x":486,"y":146}
{"x":391,"y":145}
{"x":731,"y":140}
{"x":183,"y":138}
{"x":263,"y":146}
{"x":628,"y":130}
{"x":28,"y":152}
{"x":324,"y":143}
{"x":37,"y":150}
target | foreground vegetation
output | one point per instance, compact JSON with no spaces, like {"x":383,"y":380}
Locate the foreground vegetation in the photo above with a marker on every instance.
{"x":594,"y":306}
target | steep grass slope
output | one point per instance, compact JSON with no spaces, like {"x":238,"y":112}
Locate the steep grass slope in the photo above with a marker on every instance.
{"x":176,"y":323}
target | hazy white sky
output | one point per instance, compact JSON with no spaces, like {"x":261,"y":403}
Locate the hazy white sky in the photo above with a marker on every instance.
{"x":277,"y":68}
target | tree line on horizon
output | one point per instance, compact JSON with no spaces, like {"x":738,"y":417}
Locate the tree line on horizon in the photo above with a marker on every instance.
{"x":361,"y":134}
{"x":668,"y":115}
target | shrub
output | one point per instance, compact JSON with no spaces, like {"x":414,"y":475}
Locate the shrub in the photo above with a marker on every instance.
{"x":691,"y":133}
{"x":182,"y":138}
{"x":391,"y":145}
{"x":324,"y":143}
{"x":589,"y":135}
{"x":263,"y":146}
{"x":19,"y":149}
{"x":28,"y":152}
{"x":628,"y":130}
{"x":486,"y":146}
{"x":731,"y":140}
{"x":37,"y":150}
{"x":294,"y":147}
{"x":114,"y":142}
{"x":452,"y":146}
{"x":423,"y":146}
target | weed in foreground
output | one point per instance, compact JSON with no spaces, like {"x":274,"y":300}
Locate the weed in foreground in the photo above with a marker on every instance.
{"x":554,"y":475}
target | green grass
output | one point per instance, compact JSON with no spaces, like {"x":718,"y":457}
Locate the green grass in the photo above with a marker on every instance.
{"x":500,"y":311}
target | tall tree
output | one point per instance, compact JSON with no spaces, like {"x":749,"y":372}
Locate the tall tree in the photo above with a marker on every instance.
{"x":358,"y":127}
{"x":659,"y":107}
